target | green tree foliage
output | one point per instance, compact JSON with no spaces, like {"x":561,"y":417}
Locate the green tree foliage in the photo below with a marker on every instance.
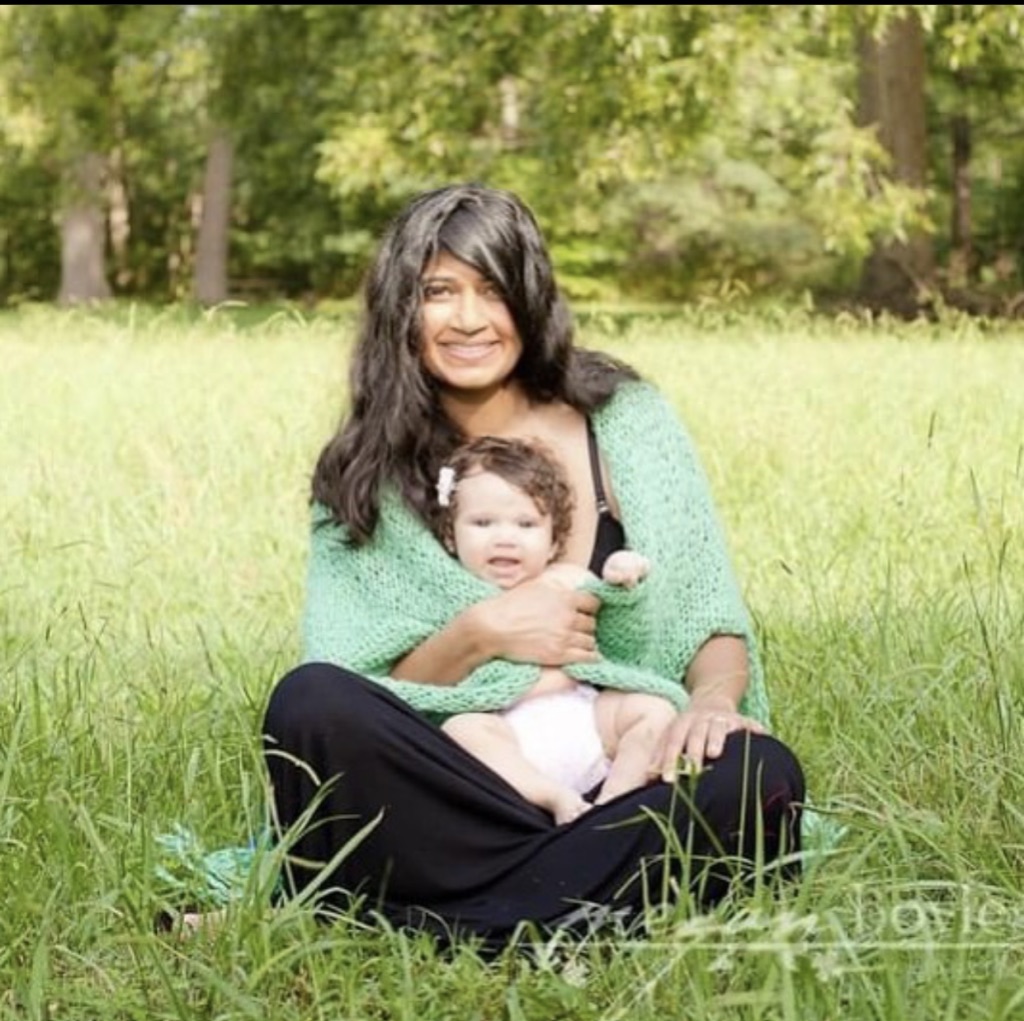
{"x":671,"y":144}
{"x":667,"y":149}
{"x":270,"y":70}
{"x":29,"y":251}
{"x":977,"y":86}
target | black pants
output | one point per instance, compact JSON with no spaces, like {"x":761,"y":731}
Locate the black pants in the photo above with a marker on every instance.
{"x":454,"y":850}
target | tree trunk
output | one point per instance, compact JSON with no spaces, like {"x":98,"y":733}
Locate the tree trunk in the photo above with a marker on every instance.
{"x":83,"y":274}
{"x":210,"y":283}
{"x":897,"y":276}
{"x":961,"y":228}
{"x":119,"y":220}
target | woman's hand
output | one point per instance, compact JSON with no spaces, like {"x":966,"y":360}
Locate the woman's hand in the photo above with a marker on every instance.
{"x":697,"y":734}
{"x":716,"y":679}
{"x":537,"y":622}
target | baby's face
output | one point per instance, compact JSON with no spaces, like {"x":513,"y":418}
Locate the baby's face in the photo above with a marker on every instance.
{"x":501,"y":535}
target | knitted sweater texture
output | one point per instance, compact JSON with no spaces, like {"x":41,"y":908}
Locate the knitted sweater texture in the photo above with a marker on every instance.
{"x":367,"y":606}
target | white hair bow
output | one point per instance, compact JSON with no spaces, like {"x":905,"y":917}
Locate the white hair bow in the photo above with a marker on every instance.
{"x":445,"y":486}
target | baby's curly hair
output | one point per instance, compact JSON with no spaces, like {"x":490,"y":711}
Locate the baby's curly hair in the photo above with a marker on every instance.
{"x":525,"y":464}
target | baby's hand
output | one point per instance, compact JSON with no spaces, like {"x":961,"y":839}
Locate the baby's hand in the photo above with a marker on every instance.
{"x":625,"y":567}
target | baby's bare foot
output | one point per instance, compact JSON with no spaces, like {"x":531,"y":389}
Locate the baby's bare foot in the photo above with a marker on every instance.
{"x":622,"y":785}
{"x":567,"y":806}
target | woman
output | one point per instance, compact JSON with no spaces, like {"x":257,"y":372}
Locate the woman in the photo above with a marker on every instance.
{"x":465,"y":334}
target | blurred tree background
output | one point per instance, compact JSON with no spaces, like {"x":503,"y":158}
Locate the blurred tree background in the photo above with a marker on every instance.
{"x":861,"y":156}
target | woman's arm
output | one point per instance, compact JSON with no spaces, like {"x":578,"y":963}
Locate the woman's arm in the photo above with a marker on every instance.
{"x":717,"y":676}
{"x":449,"y":655}
{"x":716,"y":680}
{"x":536,"y":622}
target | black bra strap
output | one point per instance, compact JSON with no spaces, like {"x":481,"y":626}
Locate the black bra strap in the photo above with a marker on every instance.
{"x":595,"y":470}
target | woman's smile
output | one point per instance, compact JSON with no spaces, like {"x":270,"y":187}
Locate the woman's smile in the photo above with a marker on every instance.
{"x":469,"y":352}
{"x":469,"y":338}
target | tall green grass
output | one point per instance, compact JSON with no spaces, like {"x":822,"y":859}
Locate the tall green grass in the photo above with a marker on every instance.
{"x":152,"y":525}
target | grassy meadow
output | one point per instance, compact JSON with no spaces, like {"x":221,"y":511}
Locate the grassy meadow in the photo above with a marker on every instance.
{"x":153,"y":526}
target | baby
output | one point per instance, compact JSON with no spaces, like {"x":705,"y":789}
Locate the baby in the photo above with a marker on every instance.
{"x":506,"y":510}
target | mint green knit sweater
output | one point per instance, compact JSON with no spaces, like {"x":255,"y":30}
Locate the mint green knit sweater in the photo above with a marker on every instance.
{"x":366,"y":606}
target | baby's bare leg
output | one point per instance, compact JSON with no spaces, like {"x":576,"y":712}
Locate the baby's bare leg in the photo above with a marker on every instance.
{"x":494,"y":743}
{"x":631,"y":725}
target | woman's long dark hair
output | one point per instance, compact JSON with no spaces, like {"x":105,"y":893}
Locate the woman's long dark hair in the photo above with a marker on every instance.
{"x":395,"y":429}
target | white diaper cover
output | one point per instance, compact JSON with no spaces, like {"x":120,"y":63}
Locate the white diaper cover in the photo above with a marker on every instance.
{"x":558,"y":734}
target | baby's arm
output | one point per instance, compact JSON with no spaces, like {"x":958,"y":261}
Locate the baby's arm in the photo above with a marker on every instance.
{"x":552,"y":680}
{"x":566,"y":575}
{"x":625,"y":567}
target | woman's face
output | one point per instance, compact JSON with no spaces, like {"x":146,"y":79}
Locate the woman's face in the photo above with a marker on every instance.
{"x":470,"y":341}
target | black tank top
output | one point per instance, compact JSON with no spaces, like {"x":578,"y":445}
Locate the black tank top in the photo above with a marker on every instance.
{"x":611,"y":536}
